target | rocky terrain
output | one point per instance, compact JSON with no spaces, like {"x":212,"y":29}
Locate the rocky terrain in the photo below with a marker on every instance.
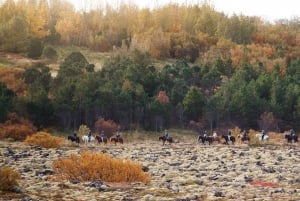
{"x":182,"y":171}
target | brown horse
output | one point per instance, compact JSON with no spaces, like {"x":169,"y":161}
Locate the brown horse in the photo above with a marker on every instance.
{"x":101,"y":140}
{"x":216,"y":139}
{"x":164,"y":140}
{"x":244,"y":138}
{"x":116,"y":140}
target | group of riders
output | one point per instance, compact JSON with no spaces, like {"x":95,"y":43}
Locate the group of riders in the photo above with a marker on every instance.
{"x":102,"y":136}
{"x":244,"y":135}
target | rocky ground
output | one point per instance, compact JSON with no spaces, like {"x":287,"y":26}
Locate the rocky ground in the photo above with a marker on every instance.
{"x":182,"y":171}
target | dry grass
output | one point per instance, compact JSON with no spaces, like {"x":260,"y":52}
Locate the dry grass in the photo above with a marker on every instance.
{"x":45,"y":140}
{"x":8,"y":178}
{"x":91,"y":166}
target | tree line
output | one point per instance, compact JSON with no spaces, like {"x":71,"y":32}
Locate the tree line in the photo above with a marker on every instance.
{"x":227,"y":70}
{"x":135,"y":93}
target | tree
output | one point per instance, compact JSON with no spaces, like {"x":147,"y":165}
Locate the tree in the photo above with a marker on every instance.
{"x":6,"y":101}
{"x":194,"y":104}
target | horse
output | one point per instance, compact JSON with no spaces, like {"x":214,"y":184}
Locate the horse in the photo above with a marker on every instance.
{"x":259,"y":136}
{"x":226,"y":138}
{"x":116,"y":140}
{"x":164,"y":140}
{"x":244,"y":138}
{"x":216,"y":139}
{"x":74,"y":139}
{"x":101,"y":139}
{"x":86,"y":139}
{"x":290,"y":138}
{"x":205,"y":139}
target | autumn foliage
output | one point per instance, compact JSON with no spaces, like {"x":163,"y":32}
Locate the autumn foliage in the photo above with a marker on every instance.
{"x":8,"y":178}
{"x":45,"y":140}
{"x":90,"y":166}
{"x":16,"y":128}
{"x":108,"y":126}
{"x":162,"y":97}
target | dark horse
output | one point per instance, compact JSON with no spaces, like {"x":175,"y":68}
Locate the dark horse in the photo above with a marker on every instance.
{"x":116,"y":140}
{"x":74,"y":139}
{"x":290,"y":138}
{"x":244,"y":138}
{"x":205,"y":139}
{"x":101,"y":140}
{"x":232,"y":139}
{"x":164,"y":140}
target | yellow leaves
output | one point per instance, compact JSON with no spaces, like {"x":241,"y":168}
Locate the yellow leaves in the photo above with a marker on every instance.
{"x":44,"y":139}
{"x":8,"y":178}
{"x":92,"y":166}
{"x":36,"y":18}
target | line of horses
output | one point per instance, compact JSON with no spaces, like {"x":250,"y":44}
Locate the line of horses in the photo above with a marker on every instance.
{"x":101,"y":140}
{"x":201,"y":139}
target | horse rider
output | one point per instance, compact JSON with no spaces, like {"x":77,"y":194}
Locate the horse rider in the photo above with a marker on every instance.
{"x":102,"y":136}
{"x":118,"y":135}
{"x":292,"y":133}
{"x":215,"y":134}
{"x":166,"y":134}
{"x":229,"y":135}
{"x":75,"y":135}
{"x":89,"y":135}
{"x":263,"y":134}
{"x":244,"y":134}
{"x":205,"y":135}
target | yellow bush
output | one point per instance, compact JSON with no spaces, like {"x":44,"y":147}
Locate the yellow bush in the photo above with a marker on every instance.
{"x":16,"y":128}
{"x":8,"y":178}
{"x":92,"y":166}
{"x":44,"y":139}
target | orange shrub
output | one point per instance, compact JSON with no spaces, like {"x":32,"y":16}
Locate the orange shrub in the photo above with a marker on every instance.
{"x":92,"y":166}
{"x":16,"y":128}
{"x":109,"y":127}
{"x":44,"y":139}
{"x":8,"y":178}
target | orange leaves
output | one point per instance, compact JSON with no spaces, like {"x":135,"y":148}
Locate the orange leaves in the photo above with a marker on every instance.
{"x":92,"y":166}
{"x":109,"y":126}
{"x":8,"y":178}
{"x":11,"y":77}
{"x":16,"y":128}
{"x":162,"y":97}
{"x":264,"y":184}
{"x":44,"y":139}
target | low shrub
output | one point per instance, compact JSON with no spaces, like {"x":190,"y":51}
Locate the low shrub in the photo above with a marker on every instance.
{"x":8,"y":178}
{"x":50,"y":53}
{"x":16,"y":128}
{"x":108,"y":126}
{"x":91,"y":166}
{"x":45,"y":140}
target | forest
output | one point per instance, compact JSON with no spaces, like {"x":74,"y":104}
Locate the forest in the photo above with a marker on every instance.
{"x":174,"y":66}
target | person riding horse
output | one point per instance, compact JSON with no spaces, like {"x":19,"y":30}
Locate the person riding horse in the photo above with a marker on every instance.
{"x":229,"y":135}
{"x":244,"y":134}
{"x":292,"y":133}
{"x":89,"y":135}
{"x":102,"y":136}
{"x":118,"y":135}
{"x":263,"y":134}
{"x":166,"y":135}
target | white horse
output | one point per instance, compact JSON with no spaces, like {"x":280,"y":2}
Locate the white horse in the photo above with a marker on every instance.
{"x":86,"y":139}
{"x":259,"y":136}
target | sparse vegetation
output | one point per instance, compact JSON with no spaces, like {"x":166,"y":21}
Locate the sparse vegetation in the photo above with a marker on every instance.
{"x":45,"y":140}
{"x":8,"y":178}
{"x":16,"y":128}
{"x":89,"y":166}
